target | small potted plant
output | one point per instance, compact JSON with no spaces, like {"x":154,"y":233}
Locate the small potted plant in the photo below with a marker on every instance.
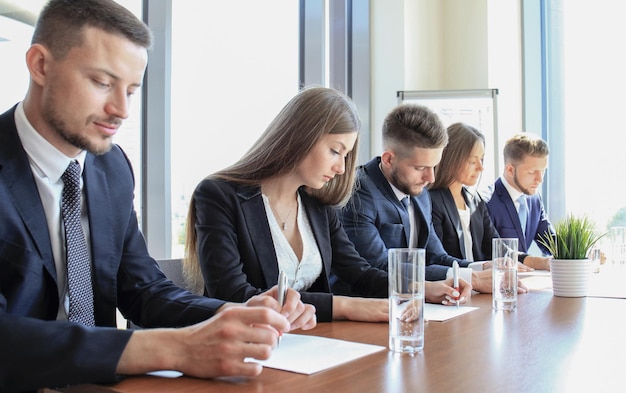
{"x":570,"y":265}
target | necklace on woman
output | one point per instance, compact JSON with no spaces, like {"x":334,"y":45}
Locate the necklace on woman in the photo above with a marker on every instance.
{"x":283,"y":222}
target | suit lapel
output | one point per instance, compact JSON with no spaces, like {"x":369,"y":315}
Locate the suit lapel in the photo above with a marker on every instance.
{"x":258,"y":227}
{"x":99,"y":202}
{"x":23,"y":189}
{"x":373,"y":170}
{"x":476,"y":224}
{"x":453,"y":213}
{"x":320,"y":227}
{"x":505,"y":197}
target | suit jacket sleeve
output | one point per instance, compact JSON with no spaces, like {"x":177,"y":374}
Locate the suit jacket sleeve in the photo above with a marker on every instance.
{"x":363,"y":278}
{"x":363,"y":226}
{"x":489,"y":230}
{"x":543,"y":226}
{"x":443,"y":224}
{"x":39,"y":351}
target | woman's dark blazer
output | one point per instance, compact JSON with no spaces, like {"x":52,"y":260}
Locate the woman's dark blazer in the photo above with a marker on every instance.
{"x":447,"y":224}
{"x":237,"y":255}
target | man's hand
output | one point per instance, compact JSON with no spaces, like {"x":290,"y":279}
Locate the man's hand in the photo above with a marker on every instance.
{"x":214,"y":348}
{"x":538,"y":263}
{"x":481,"y":281}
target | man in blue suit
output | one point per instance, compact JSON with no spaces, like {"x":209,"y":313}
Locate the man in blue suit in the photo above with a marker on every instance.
{"x":514,"y":197}
{"x":391,"y":207}
{"x":86,"y":59}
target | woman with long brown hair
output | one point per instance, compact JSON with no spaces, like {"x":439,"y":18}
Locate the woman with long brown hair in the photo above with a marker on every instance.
{"x":276,"y":210}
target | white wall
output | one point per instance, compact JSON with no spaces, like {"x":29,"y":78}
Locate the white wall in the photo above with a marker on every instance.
{"x":387,"y":51}
{"x":447,"y":45}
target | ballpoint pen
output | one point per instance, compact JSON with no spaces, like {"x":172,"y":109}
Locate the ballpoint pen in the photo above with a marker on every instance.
{"x":455,"y":275}
{"x":282,"y":294}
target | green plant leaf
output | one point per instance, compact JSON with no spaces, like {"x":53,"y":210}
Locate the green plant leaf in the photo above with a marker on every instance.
{"x":575,"y":236}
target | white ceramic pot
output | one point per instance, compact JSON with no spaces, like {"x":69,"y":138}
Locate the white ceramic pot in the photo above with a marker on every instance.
{"x":570,"y":277}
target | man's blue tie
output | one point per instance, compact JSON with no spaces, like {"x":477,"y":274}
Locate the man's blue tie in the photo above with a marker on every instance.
{"x":406,"y":202}
{"x":523,"y":213}
{"x":78,"y":264}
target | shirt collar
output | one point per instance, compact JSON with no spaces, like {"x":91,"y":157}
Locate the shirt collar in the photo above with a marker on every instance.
{"x":46,"y":159}
{"x":513,"y":192}
{"x":399,"y":194}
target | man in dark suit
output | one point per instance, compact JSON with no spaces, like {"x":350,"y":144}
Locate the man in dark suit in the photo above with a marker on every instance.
{"x":513,"y":197}
{"x":391,"y":207}
{"x":86,"y":60}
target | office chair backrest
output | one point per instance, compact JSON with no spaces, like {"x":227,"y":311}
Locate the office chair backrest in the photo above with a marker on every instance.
{"x":173,"y":269}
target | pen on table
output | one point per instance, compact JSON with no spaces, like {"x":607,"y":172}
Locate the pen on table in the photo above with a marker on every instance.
{"x":282,"y":294}
{"x":455,"y":275}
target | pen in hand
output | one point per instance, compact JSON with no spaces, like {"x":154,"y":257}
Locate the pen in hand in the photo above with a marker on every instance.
{"x":455,"y":275}
{"x":282,"y":294}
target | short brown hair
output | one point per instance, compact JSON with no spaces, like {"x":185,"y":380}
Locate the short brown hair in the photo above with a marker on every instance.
{"x":525,"y":144}
{"x":61,"y":23}
{"x":410,"y":125}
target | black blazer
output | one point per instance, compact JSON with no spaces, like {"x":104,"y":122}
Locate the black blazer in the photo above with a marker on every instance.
{"x":237,"y":255}
{"x":447,"y":224}
{"x":44,"y":352}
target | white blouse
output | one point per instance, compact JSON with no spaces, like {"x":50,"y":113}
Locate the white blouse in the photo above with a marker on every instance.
{"x":467,"y":234}
{"x":300,"y":274}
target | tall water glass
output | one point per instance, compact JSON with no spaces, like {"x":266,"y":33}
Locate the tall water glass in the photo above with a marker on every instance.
{"x":406,"y":299}
{"x":504,"y":275}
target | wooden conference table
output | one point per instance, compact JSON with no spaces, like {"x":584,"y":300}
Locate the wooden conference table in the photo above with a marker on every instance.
{"x":550,"y":344}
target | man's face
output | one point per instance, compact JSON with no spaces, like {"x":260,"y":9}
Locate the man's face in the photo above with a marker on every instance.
{"x":527,"y":176}
{"x":414,"y":172}
{"x":86,"y":94}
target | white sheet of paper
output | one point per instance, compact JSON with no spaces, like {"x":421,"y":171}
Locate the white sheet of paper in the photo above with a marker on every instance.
{"x":439,"y":312}
{"x":311,"y":354}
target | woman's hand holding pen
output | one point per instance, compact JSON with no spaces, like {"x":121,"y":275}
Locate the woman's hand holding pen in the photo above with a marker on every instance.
{"x":300,"y":315}
{"x":443,"y":292}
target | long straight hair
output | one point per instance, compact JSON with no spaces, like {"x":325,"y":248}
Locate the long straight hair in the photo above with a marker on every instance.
{"x":290,"y":137}
{"x":462,"y":139}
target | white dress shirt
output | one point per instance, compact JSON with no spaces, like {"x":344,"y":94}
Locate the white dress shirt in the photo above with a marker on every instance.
{"x":465,"y":216}
{"x":300,"y":274}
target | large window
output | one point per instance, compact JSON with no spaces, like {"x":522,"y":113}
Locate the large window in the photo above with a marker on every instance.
{"x":14,"y":41}
{"x":234,"y":66}
{"x":15,"y":36}
{"x":594,"y":85}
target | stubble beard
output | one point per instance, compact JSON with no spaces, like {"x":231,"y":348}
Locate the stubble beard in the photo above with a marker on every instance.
{"x":400,"y":185}
{"x":518,"y":184}
{"x":75,"y":138}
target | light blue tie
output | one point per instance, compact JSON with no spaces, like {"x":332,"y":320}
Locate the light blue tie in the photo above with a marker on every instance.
{"x":406,"y":202}
{"x":523,"y":213}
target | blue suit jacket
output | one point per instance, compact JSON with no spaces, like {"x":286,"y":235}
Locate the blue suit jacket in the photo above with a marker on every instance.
{"x":237,"y":256}
{"x":44,"y":352}
{"x":447,"y":223}
{"x":506,"y":220}
{"x":375,"y":221}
